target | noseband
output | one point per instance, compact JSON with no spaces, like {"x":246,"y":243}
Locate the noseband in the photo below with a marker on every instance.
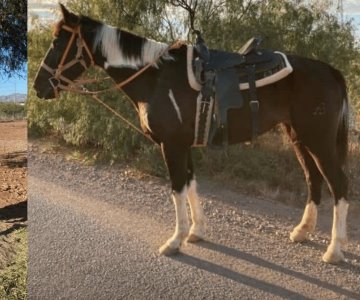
{"x":57,"y":74}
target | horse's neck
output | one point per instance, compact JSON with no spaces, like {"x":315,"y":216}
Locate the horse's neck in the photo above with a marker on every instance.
{"x":137,"y":89}
{"x":120,"y":67}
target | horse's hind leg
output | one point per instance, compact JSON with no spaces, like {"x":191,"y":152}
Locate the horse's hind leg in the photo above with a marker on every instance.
{"x":330,"y":167}
{"x":197,"y":230}
{"x":314,"y":181}
{"x":176,"y":160}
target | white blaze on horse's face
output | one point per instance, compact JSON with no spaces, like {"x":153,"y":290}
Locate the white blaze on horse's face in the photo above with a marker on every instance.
{"x":113,"y":44}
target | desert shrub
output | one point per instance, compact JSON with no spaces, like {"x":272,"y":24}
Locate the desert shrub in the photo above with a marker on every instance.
{"x":12,"y":111}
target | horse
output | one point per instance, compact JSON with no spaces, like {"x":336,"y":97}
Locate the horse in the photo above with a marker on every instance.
{"x":311,"y":104}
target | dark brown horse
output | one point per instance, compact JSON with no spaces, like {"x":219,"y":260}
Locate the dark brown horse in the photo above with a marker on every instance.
{"x":311,"y":103}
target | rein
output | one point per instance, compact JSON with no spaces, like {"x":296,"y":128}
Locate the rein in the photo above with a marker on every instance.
{"x":76,"y":86}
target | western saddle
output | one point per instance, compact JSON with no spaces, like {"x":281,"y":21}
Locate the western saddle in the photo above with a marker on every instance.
{"x":220,"y":74}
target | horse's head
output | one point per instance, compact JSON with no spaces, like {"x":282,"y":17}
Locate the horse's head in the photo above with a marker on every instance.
{"x":67,"y":58}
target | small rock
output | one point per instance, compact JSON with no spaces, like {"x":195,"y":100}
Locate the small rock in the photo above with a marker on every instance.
{"x":5,"y":187}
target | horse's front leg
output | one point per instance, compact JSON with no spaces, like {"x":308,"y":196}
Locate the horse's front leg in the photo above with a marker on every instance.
{"x":197,"y":230}
{"x":176,"y":157}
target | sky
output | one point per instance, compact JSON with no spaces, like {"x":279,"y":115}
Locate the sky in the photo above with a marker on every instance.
{"x":352,"y":11}
{"x":41,"y":7}
{"x":14,"y":84}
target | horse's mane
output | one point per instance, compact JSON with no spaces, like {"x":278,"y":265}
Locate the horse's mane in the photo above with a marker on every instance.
{"x":120,"y":47}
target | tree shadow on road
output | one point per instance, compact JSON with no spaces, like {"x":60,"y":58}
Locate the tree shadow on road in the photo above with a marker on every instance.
{"x":253,"y":282}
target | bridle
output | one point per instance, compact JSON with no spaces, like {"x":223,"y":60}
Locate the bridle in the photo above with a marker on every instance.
{"x":57,"y":74}
{"x":76,"y":86}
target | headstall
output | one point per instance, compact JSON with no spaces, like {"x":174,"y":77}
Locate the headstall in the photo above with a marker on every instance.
{"x":57,"y":74}
{"x":76,"y":86}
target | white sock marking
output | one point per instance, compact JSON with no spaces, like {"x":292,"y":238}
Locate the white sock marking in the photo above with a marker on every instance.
{"x":182,"y":221}
{"x":333,"y":253}
{"x":310,"y":216}
{"x":307,"y":224}
{"x":197,"y":213}
{"x":339,"y":223}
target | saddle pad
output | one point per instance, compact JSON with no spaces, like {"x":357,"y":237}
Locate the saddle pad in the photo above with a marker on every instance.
{"x":274,"y":77}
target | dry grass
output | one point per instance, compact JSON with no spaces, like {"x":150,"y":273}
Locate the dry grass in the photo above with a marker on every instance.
{"x":270,"y":169}
{"x":353,"y":166}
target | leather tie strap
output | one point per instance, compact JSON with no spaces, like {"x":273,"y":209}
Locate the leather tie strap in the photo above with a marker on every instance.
{"x":254,"y":103}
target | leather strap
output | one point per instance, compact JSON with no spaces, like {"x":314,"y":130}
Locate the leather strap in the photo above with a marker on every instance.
{"x":57,"y":74}
{"x":254,"y":103}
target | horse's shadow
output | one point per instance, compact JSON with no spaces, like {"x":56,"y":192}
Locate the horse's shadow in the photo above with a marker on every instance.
{"x":257,"y":283}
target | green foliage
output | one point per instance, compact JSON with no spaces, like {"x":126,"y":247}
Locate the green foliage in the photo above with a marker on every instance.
{"x":12,"y":111}
{"x":13,"y":41}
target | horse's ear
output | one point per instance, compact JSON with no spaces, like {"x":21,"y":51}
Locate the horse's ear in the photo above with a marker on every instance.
{"x":69,"y":18}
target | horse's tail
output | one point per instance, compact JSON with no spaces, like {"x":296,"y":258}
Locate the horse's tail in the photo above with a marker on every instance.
{"x":343,"y":129}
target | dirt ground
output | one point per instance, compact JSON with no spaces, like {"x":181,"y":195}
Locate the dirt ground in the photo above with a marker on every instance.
{"x":13,"y":183}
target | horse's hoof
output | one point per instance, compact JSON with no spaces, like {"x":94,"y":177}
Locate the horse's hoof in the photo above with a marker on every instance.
{"x":298,"y":235}
{"x":193,"y":238}
{"x":167,"y":250}
{"x":333,"y":257}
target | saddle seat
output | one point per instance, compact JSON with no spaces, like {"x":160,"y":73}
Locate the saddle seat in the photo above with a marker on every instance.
{"x":248,"y":54}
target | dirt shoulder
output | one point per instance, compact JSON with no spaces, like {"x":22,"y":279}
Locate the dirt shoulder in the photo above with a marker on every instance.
{"x":13,"y":184}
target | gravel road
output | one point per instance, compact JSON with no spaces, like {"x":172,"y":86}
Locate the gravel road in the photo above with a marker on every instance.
{"x":94,"y":233}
